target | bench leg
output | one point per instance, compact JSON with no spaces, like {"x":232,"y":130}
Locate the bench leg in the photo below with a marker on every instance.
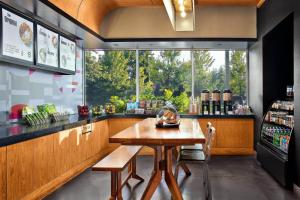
{"x":133,"y":170}
{"x":113,"y":185}
{"x":119,"y":186}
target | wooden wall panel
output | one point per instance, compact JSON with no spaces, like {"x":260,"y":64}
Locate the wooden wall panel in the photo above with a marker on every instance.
{"x":3,"y":173}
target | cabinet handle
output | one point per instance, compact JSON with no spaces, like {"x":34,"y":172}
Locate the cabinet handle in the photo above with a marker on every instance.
{"x":87,"y":129}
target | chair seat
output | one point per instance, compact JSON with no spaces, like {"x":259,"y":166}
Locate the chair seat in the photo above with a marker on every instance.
{"x":192,"y":156}
{"x":198,"y":147}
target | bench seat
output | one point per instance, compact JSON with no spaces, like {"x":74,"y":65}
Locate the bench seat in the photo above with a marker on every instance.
{"x":116,"y":162}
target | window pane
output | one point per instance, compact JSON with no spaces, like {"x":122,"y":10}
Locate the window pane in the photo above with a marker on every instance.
{"x":221,"y":70}
{"x":238,"y":80}
{"x":109,"y":75}
{"x":166,"y":75}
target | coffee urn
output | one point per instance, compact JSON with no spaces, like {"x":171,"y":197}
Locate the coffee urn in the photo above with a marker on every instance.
{"x":227,"y":99}
{"x":205,"y":102}
{"x":216,"y":102}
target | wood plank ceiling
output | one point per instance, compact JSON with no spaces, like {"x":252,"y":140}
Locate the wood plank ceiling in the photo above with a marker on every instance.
{"x":92,"y":12}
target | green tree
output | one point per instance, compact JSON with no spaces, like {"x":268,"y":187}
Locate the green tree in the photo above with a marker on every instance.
{"x":238,"y":73}
{"x":203,"y":62}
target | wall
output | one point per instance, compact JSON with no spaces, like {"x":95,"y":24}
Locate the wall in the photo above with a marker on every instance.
{"x":297,"y":85}
{"x":20,"y":85}
{"x":268,"y":16}
{"x":153,"y":22}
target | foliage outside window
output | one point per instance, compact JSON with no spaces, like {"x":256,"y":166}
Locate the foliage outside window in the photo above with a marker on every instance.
{"x":214,"y":71}
{"x":163,"y":75}
{"x":166,"y":75}
{"x":110,"y":76}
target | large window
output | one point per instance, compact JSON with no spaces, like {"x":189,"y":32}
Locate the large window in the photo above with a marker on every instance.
{"x":221,"y":70}
{"x":166,"y":75}
{"x":170,"y":75}
{"x":110,"y":76}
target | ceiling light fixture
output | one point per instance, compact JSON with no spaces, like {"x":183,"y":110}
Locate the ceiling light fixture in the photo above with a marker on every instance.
{"x":181,"y":2}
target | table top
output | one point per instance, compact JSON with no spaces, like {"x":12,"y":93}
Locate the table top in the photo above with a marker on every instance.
{"x":145,"y":133}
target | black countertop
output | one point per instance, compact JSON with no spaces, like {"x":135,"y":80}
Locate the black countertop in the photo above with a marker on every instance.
{"x":16,"y":132}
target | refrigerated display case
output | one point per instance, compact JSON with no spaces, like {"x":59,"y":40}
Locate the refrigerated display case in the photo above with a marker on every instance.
{"x":275,"y":149}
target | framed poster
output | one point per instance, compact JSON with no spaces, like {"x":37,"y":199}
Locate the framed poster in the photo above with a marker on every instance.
{"x":47,"y":47}
{"x":17,"y":37}
{"x":67,"y":57}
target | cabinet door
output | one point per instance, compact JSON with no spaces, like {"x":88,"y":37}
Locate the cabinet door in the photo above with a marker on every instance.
{"x":235,"y":133}
{"x":62,"y":152}
{"x":20,"y":170}
{"x":43,"y":160}
{"x":104,"y":136}
{"x":76,"y":145}
{"x":2,"y":173}
{"x":30,"y":165}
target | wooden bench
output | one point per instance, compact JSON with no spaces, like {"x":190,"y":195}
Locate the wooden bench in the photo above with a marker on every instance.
{"x":116,"y":162}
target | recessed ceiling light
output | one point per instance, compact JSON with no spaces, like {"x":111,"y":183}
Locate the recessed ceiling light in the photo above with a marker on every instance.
{"x":180,"y":2}
{"x":183,"y":14}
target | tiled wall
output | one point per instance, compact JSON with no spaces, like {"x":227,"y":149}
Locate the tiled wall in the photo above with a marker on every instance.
{"x":29,"y":86}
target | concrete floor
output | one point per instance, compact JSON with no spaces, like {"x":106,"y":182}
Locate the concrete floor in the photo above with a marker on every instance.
{"x":232,"y":178}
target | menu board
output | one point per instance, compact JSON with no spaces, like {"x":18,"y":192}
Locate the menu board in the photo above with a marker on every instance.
{"x":47,"y":47}
{"x":67,"y":54}
{"x":17,"y":36}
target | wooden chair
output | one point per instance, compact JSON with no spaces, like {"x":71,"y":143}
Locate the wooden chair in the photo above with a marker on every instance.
{"x":202,"y":157}
{"x":116,"y":162}
{"x":196,"y":146}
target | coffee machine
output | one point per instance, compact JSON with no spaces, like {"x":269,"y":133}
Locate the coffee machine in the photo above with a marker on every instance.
{"x":205,"y":102}
{"x":227,"y":99}
{"x":216,"y":102}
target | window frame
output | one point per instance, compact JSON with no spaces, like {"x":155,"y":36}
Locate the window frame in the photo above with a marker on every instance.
{"x":192,"y":50}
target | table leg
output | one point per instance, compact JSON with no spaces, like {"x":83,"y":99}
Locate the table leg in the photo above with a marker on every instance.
{"x":169,"y":177}
{"x":113,"y":186}
{"x":156,"y":175}
{"x":133,"y":170}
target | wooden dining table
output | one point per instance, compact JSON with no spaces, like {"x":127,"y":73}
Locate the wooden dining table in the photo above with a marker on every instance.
{"x":163,"y":141}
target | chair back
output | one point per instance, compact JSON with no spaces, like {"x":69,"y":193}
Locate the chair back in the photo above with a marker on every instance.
{"x":208,"y":126}
{"x":208,"y":143}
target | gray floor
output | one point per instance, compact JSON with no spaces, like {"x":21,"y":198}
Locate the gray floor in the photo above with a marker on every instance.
{"x":233,"y":178}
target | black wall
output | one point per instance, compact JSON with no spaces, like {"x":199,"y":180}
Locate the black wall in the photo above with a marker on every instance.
{"x":278,"y":61}
{"x":269,"y":15}
{"x":297,"y":85}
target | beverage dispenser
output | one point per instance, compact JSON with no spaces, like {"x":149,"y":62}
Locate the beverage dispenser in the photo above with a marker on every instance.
{"x":227,"y":99}
{"x":216,"y":102}
{"x":205,"y":102}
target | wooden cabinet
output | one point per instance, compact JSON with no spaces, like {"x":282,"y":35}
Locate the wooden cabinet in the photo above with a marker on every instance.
{"x":29,"y":166}
{"x":234,"y":136}
{"x":2,"y":173}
